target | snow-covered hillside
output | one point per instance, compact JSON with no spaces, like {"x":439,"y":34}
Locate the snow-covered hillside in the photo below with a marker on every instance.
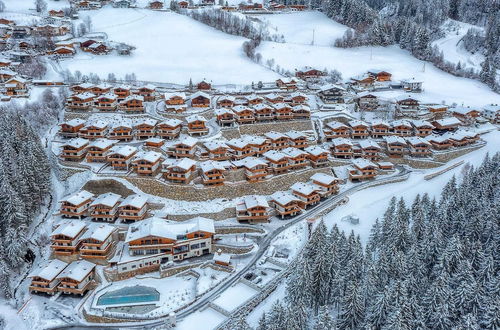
{"x":170,"y":48}
{"x":452,"y":47}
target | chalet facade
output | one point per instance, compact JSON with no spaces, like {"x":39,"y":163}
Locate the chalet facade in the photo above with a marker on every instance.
{"x":180,"y":171}
{"x":64,"y":240}
{"x":285,"y":204}
{"x":169,"y":129}
{"x":74,"y":150}
{"x":252,"y":209}
{"x":105,"y":207}
{"x":133,"y":208}
{"x":308,"y":194}
{"x":120,"y":157}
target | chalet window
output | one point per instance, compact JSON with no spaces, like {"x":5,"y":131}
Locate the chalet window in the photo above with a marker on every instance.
{"x":195,"y":246}
{"x":181,"y":237}
{"x":181,"y":249}
{"x":203,"y":244}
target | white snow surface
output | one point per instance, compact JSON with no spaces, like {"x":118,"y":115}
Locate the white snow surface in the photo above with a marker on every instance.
{"x":235,"y":296}
{"x":170,"y":48}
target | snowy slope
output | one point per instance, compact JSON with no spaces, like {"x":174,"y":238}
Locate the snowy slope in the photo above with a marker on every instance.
{"x":452,"y":47}
{"x":170,"y":48}
{"x":299,"y":28}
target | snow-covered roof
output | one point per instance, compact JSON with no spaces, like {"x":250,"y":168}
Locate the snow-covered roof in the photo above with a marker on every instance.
{"x":492,"y":108}
{"x":98,"y":123}
{"x":249,"y":162}
{"x":222,"y":257}
{"x":421,"y":123}
{"x":414,"y":140}
{"x":463,"y":110}
{"x":273,"y":96}
{"x":85,"y":85}
{"x":331,"y":86}
{"x":394,"y":139}
{"x":124,"y":151}
{"x":184,"y":163}
{"x":293,"y":152}
{"x":362,"y":163}
{"x":84,"y":96}
{"x":295,"y":134}
{"x":368,"y":144}
{"x":146,"y":121}
{"x":252,"y":201}
{"x":193,"y":118}
{"x":168,"y":229}
{"x":341,"y":141}
{"x":78,"y":198}
{"x":254,"y":97}
{"x":401,"y":123}
{"x":98,"y":231}
{"x":200,"y":93}
{"x":50,"y":270}
{"x":237,"y":143}
{"x":261,"y":106}
{"x":133,"y":98}
{"x":450,"y":121}
{"x":102,"y":143}
{"x":108,"y":199}
{"x":211,"y":165}
{"x":241,"y":108}
{"x":172,"y":122}
{"x":181,"y":95}
{"x":301,"y":107}
{"x":281,"y":105}
{"x":69,"y":228}
{"x":324,"y":178}
{"x":123,"y":122}
{"x":76,"y":143}
{"x":336,"y":125}
{"x":148,"y":156}
{"x":227,"y":98}
{"x":137,"y":201}
{"x":214,"y":145}
{"x":304,"y":188}
{"x":188,"y":141}
{"x":222,"y":111}
{"x":283,"y":197}
{"x":77,"y":270}
{"x":74,"y":122}
{"x":275,"y":155}
{"x":437,"y":138}
{"x":354,"y":123}
{"x":315,"y":150}
{"x":274,"y":135}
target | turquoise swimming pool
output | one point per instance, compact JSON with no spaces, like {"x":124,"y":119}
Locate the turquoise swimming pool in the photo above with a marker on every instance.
{"x":129,"y":295}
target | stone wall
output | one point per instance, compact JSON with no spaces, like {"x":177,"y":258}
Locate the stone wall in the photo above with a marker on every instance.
{"x":222,"y":215}
{"x":98,"y":187}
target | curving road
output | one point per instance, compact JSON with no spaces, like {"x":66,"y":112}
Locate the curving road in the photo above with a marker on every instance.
{"x":263,"y":245}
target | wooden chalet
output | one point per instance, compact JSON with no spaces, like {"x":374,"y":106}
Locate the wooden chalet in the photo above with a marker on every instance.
{"x":120,"y":157}
{"x":301,"y":111}
{"x":44,"y":279}
{"x":212,"y":173}
{"x":297,"y":139}
{"x":63,"y":51}
{"x":439,"y":142}
{"x":156,"y":5}
{"x":122,"y":92}
{"x":362,"y":169}
{"x":6,"y":74}
{"x":283,"y":111}
{"x":226,"y":101}
{"x":81,"y":88}
{"x":402,"y":128}
{"x":106,"y":102}
{"x":105,"y":207}
{"x":98,"y":48}
{"x":196,"y":125}
{"x":183,"y":4}
{"x":76,"y":205}
{"x":461,"y":138}
{"x":327,"y":184}
{"x":74,"y":149}
{"x":132,"y":103}
{"x":184,"y":148}
{"x":466,"y":115}
{"x":285,"y":204}
{"x":145,"y":128}
{"x":100,"y":89}
{"x":380,"y":75}
{"x":258,"y":144}
{"x":171,"y":240}
{"x":418,"y":146}
{"x":310,"y":74}
{"x":175,"y":102}
{"x":289,"y":84}
{"x":148,"y":92}
{"x":217,"y":150}
{"x":412,"y":85}
{"x":422,"y":128}
{"x":370,"y":149}
{"x":492,"y":113}
{"x":200,"y":100}
{"x":278,"y":161}
{"x":396,"y":145}
{"x":71,"y":128}
{"x":97,"y":151}
{"x":318,"y":157}
{"x":147,"y":162}
{"x":274,"y":98}
{"x":56,"y":13}
{"x":64,"y":239}
{"x":240,"y":148}
{"x":16,"y":87}
{"x":225,"y":117}
{"x":154,"y":142}
{"x":169,"y":129}
{"x":77,"y":278}
{"x":380,"y":128}
{"x":133,"y":208}
{"x":277,"y":140}
{"x":367,"y":101}
{"x":437,"y":110}
{"x":359,"y":129}
{"x":297,"y":159}
{"x":407,"y":103}
{"x":244,"y":114}
{"x":446,"y":124}
{"x":122,"y":131}
{"x":98,"y":241}
{"x":297,"y":98}
{"x":255,"y":168}
{"x":254,"y":99}
{"x":342,"y":148}
{"x":252,"y":209}
{"x":203,"y":85}
{"x":335,"y":129}
{"x":180,"y":171}
{"x":83,"y":101}
{"x":97,"y":129}
{"x":308,"y":194}
{"x":263,"y":112}
{"x":363,"y":81}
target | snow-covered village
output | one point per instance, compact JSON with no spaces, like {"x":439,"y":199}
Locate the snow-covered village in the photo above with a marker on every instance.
{"x":250,"y":164}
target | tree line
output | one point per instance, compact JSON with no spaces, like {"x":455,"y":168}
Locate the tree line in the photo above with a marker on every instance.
{"x":433,"y":264}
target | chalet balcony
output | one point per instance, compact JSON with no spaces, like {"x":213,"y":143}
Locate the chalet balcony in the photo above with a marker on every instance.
{"x":360,"y":134}
{"x":253,"y":217}
{"x":284,"y":116}
{"x":106,"y":106}
{"x":420,"y":152}
{"x":213,"y":180}
{"x":343,"y":153}
{"x":43,"y":289}
{"x":356,"y":175}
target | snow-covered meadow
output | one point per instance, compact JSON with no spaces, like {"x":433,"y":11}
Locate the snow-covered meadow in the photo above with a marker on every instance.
{"x":170,"y":48}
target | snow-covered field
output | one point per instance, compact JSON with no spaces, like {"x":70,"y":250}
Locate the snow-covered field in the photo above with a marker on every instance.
{"x":235,"y":296}
{"x":170,"y":48}
{"x":302,"y":27}
{"x":452,"y":47}
{"x":203,"y":320}
{"x":371,"y":204}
